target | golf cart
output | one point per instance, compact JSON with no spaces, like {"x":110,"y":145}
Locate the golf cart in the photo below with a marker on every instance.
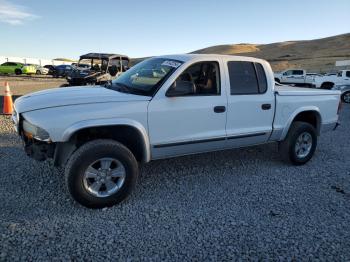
{"x":97,"y":69}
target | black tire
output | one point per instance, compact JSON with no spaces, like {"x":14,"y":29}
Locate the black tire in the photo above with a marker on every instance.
{"x":287,"y":147}
{"x":38,"y":72}
{"x":346,"y":97}
{"x":277,"y":80}
{"x":88,"y":154}
{"x":18,"y":71}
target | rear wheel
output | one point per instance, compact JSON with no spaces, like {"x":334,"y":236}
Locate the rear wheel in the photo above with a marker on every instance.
{"x":346,"y":97}
{"x":18,"y":71}
{"x":300,"y":143}
{"x":327,"y":85}
{"x":101,"y":173}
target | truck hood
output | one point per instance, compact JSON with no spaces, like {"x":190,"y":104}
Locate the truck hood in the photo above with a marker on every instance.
{"x":72,"y":96}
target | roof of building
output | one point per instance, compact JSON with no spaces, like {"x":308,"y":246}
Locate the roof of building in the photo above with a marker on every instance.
{"x":103,"y":56}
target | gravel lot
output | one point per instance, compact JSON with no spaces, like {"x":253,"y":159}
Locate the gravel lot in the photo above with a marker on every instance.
{"x":21,"y":85}
{"x":226,"y":205}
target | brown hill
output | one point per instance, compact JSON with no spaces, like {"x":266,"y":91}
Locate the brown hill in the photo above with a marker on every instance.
{"x":313,"y":55}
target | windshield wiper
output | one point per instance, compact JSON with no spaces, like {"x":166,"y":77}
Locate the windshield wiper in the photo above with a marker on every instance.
{"x":120,"y":87}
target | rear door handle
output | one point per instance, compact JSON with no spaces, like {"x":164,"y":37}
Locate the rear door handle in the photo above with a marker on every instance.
{"x":219,"y":109}
{"x":266,"y":106}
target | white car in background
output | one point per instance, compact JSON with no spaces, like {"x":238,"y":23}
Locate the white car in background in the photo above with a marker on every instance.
{"x":295,"y":77}
{"x":328,"y":82}
{"x":40,"y":70}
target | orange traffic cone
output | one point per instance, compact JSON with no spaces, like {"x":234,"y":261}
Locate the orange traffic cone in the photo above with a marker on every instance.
{"x":8,"y":105}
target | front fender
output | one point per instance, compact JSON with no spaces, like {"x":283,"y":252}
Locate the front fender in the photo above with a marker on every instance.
{"x":67,"y":134}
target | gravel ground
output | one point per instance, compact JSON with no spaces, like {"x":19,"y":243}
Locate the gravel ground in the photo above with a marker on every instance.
{"x":238,"y":204}
{"x":21,"y":85}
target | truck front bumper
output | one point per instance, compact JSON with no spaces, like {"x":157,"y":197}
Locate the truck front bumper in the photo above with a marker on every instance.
{"x":38,"y":150}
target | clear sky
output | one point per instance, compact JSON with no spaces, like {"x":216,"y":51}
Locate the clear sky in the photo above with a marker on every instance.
{"x":67,"y":28}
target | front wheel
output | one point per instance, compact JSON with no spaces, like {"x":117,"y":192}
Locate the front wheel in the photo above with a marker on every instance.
{"x":101,"y":173}
{"x":346,"y":97}
{"x":300,"y":144}
{"x":18,"y":71}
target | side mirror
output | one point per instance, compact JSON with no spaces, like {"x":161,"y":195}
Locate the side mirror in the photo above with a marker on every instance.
{"x":180,"y":88}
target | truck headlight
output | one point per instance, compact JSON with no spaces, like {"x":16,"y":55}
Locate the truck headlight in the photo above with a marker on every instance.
{"x":35,"y":131}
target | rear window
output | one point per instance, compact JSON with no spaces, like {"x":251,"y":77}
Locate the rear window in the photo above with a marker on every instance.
{"x":347,"y":73}
{"x":246,"y":78}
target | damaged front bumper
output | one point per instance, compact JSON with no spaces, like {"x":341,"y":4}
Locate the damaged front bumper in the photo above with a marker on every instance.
{"x":38,"y":150}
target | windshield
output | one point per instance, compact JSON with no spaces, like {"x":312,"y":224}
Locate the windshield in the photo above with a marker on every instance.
{"x":146,"y":77}
{"x":88,"y":63}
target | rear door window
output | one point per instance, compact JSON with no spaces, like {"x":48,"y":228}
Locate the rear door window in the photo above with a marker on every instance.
{"x":246,"y":78}
{"x":261,"y":77}
{"x":243,"y":80}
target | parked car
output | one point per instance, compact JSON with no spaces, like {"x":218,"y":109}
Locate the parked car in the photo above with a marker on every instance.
{"x":51,"y":68}
{"x":40,"y":70}
{"x":63,"y":70}
{"x":345,"y":92}
{"x":199,"y":103}
{"x":16,"y":68}
{"x":81,"y":66}
{"x":328,"y":82}
{"x":102,"y":69}
{"x":295,"y":76}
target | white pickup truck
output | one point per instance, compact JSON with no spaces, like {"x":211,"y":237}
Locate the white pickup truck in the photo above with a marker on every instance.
{"x":295,"y":76}
{"x":330,"y":81}
{"x":165,"y":107}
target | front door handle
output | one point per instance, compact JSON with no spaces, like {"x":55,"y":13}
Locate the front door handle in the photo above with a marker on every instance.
{"x":219,"y":109}
{"x":266,"y":106}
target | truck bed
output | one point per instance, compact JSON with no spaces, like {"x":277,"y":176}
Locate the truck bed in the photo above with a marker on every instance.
{"x":290,"y":101}
{"x":284,"y":90}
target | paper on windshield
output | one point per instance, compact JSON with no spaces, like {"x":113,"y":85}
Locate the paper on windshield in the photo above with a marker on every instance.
{"x":171,"y":63}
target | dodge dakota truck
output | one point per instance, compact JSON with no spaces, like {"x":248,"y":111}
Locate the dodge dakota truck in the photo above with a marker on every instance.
{"x":165,"y":107}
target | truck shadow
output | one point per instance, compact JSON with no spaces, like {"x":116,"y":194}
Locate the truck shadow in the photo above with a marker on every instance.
{"x":241,"y":158}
